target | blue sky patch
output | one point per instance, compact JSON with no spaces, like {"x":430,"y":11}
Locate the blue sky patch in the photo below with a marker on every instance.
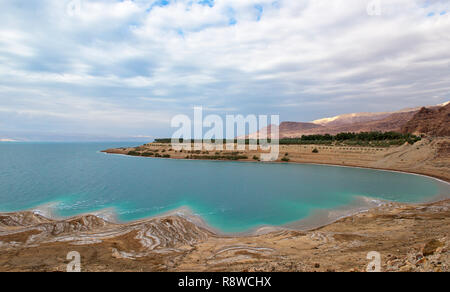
{"x":209,"y":3}
{"x":260,"y":11}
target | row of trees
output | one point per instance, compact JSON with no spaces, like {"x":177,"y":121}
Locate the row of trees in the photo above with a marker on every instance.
{"x":363,"y":137}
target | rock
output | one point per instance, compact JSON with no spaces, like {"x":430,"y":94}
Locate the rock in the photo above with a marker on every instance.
{"x":434,"y":122}
{"x":116,"y":254}
{"x":406,"y":268}
{"x":421,"y":261}
{"x":431,"y":247}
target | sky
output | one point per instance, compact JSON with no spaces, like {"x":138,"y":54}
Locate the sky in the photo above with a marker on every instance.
{"x":108,"y":69}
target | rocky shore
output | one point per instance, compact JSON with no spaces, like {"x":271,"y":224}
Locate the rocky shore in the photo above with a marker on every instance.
{"x":408,"y":238}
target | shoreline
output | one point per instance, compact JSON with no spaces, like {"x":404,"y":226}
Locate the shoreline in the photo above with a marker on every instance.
{"x":424,"y":174}
{"x":185,"y":212}
{"x":110,"y":215}
{"x":178,"y":240}
{"x":351,"y":212}
{"x":399,"y":232}
{"x":441,"y":179}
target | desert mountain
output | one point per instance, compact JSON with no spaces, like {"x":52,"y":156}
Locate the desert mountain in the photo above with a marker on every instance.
{"x":429,"y":121}
{"x":351,"y":119}
{"x":356,"y":122}
{"x":288,"y":129}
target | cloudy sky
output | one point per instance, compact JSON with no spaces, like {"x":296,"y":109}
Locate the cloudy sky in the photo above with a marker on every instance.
{"x":109,"y":68}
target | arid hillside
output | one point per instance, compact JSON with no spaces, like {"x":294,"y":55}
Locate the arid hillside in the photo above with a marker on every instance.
{"x":368,"y":122}
{"x":432,"y":122}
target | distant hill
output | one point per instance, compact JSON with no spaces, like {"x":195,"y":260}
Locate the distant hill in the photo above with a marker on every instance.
{"x":392,"y":122}
{"x":430,"y":121}
{"x":290,"y":129}
{"x":360,"y":122}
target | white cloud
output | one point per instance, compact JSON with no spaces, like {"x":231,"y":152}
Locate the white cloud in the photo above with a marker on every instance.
{"x":142,"y":62}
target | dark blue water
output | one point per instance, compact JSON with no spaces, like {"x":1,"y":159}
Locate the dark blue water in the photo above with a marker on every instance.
{"x":230,"y":196}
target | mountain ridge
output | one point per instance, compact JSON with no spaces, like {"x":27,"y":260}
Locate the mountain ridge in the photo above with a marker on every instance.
{"x":353,"y":122}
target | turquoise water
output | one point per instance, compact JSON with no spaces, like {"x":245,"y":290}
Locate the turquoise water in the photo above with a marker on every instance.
{"x":229,"y":196}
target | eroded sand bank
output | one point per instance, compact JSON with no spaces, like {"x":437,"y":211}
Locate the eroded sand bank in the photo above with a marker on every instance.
{"x":408,"y":237}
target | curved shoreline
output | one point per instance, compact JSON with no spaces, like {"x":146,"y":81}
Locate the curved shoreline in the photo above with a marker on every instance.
{"x":402,"y":234}
{"x":186,"y":213}
{"x":273,"y":228}
{"x":422,"y":174}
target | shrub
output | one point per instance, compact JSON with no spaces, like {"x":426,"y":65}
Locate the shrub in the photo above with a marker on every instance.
{"x":134,"y":153}
{"x":255,"y":157}
{"x":315,"y":150}
{"x":285,"y":159}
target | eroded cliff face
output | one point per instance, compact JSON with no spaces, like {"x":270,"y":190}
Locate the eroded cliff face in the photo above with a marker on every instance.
{"x":433,"y":122}
{"x":408,"y":238}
